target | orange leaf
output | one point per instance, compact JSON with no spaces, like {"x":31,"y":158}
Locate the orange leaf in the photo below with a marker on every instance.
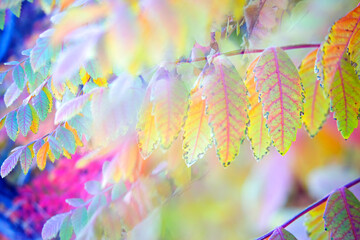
{"x":41,"y":156}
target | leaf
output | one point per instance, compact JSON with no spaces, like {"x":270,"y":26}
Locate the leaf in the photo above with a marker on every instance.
{"x":316,"y":106}
{"x":35,"y":123}
{"x":50,"y":97}
{"x":354,"y":46}
{"x":11,"y":63}
{"x":9,"y":163}
{"x":18,"y":75}
{"x":147,"y":135}
{"x":93,"y":187}
{"x":55,"y":147}
{"x":79,"y":219}
{"x":345,"y":98}
{"x":16,"y":9}
{"x":197,"y":133}
{"x":82,"y":125}
{"x":75,"y":202}
{"x":42,"y":53}
{"x":281,"y":234}
{"x":12,"y":125}
{"x":336,"y":44}
{"x":66,"y":229}
{"x":278,"y":82}
{"x":41,"y":156}
{"x":262,"y":17}
{"x":342,"y":215}
{"x":52,"y":226}
{"x":118,"y":190}
{"x":77,"y":138}
{"x":58,"y":90}
{"x":2,"y":76}
{"x":2,"y":24}
{"x":66,"y":138}
{"x":30,"y":75}
{"x":96,"y":203}
{"x":24,"y":118}
{"x":340,"y":80}
{"x":26,"y":159}
{"x":92,"y":68}
{"x":11,"y":94}
{"x":38,"y":145}
{"x":314,"y":223}
{"x":41,"y":104}
{"x":169,"y":97}
{"x":257,"y":131}
{"x":71,"y":108}
{"x":226,"y":104}
{"x":2,"y":122}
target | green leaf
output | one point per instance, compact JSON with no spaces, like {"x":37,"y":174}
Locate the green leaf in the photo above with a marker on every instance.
{"x":12,"y":63}
{"x":26,"y":52}
{"x":55,"y":147}
{"x":66,"y":229}
{"x":24,"y":118}
{"x":66,"y":138}
{"x":281,"y":234}
{"x":30,"y":75}
{"x":226,"y":104}
{"x":38,"y":144}
{"x":93,"y":187}
{"x":19,"y":77}
{"x":314,"y":223}
{"x":11,"y":94}
{"x":75,"y":202}
{"x":71,"y":108}
{"x":26,"y":159}
{"x":9,"y":163}
{"x":278,"y":82}
{"x":257,"y":131}
{"x":42,"y":53}
{"x":92,"y":68}
{"x":52,"y":226}
{"x":42,"y":105}
{"x":35,"y":124}
{"x":97,"y":202}
{"x":82,"y":125}
{"x":342,"y":215}
{"x":79,"y":219}
{"x":316,"y":106}
{"x":12,"y":125}
{"x":2,"y":20}
{"x":16,"y":9}
{"x":118,"y":190}
{"x":170,"y":102}
{"x":2,"y":76}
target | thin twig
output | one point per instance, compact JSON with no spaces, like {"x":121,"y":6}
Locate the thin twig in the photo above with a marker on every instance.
{"x":308,"y":209}
{"x":249,"y":51}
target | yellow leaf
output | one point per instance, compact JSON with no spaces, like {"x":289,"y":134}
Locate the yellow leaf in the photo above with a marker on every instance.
{"x":41,"y":156}
{"x":101,"y":82}
{"x":77,"y":138}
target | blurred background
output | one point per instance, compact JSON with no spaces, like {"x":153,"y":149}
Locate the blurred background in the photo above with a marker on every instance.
{"x":206,"y":201}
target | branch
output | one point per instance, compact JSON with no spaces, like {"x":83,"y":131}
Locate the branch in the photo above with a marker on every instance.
{"x":250,"y":51}
{"x":308,"y":209}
